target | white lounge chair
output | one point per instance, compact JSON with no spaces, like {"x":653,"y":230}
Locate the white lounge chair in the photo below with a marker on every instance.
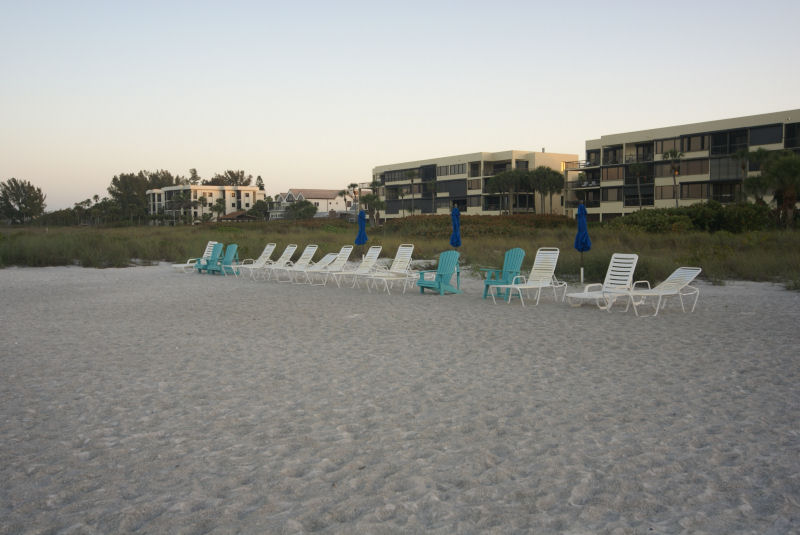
{"x":677,"y":284}
{"x":618,"y":283}
{"x":400,"y":270}
{"x":366,"y":267}
{"x":304,"y":275}
{"x":252,"y":266}
{"x":282,"y":261}
{"x":334,"y":267}
{"x":542,"y":275}
{"x":188,"y":267}
{"x":298,"y":265}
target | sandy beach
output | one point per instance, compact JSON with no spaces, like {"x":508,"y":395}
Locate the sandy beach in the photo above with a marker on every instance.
{"x":141,"y":400}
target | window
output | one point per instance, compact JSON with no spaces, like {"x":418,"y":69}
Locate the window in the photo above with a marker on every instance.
{"x":765,"y":135}
{"x":522,"y":165}
{"x":665,"y":192}
{"x":694,"y":167}
{"x":444,"y":202}
{"x":611,"y":194}
{"x":210,"y":195}
{"x":233,"y":205}
{"x":475,"y":183}
{"x":666,"y":145}
{"x":593,"y":157}
{"x":792,"y":135}
{"x":247,"y":195}
{"x":694,"y":143}
{"x":612,"y":173}
{"x":458,"y":169}
{"x":316,"y":203}
{"x":194,"y":195}
{"x":247,"y":205}
{"x":442,"y":170}
{"x":474,"y":200}
{"x":694,"y":191}
{"x":725,"y":169}
{"x":612,"y":155}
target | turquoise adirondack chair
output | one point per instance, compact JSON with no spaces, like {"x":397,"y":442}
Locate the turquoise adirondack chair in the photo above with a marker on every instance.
{"x":212,"y":260}
{"x":226,"y":265}
{"x":448,"y":266}
{"x":511,"y":267}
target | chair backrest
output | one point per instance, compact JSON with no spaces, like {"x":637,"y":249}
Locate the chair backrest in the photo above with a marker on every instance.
{"x":620,"y":271}
{"x":341,"y":258}
{"x":230,"y":254}
{"x":448,"y":262}
{"x":216,"y":252}
{"x":305,"y":257}
{"x":512,"y":263}
{"x":679,"y":278}
{"x":368,"y":263}
{"x":209,"y":249}
{"x":265,"y":254}
{"x":402,"y":259}
{"x":323,"y":262}
{"x":286,"y":255}
{"x":544,"y":265}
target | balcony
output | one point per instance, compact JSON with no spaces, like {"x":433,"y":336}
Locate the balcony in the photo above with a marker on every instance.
{"x":585,"y":184}
{"x":588,"y":204}
{"x":639,"y":158}
{"x":581,"y":164}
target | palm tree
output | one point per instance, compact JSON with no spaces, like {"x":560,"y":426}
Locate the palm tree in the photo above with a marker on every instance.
{"x":411,"y":175}
{"x":638,"y":170}
{"x":219,"y":208}
{"x":757,"y":185}
{"x":783,"y":173}
{"x":674,"y":157}
{"x":505,"y":183}
{"x":555,"y":184}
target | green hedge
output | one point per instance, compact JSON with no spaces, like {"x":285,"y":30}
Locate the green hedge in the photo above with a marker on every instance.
{"x":709,"y":216}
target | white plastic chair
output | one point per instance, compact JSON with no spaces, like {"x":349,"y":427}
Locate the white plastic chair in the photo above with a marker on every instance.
{"x":399,"y":270}
{"x":618,"y":283}
{"x":300,"y":264}
{"x":253,"y":266}
{"x":282,"y":261}
{"x":542,"y":276}
{"x":304,"y":275}
{"x":188,"y":267}
{"x":366,"y":267}
{"x":677,"y":284}
{"x":334,"y":267}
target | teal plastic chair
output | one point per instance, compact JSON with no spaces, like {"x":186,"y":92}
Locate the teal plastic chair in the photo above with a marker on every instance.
{"x":212,"y":260}
{"x":512,"y":264}
{"x":448,"y":266}
{"x":227,"y":264}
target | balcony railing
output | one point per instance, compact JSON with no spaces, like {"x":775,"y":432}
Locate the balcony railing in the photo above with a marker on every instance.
{"x":638,"y":158}
{"x":588,"y":204}
{"x":584,"y":184}
{"x":581,"y":164}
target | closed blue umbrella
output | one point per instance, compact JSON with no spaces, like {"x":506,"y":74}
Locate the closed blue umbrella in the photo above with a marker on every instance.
{"x":361,"y":238}
{"x":582,"y":241}
{"x":455,"y":237}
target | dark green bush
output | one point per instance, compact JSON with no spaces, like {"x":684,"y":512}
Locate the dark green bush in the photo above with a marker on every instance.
{"x":708,"y":216}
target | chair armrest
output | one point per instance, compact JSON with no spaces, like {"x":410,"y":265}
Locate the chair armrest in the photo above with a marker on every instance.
{"x":643,"y":283}
{"x":593,"y":287}
{"x":519,"y":279}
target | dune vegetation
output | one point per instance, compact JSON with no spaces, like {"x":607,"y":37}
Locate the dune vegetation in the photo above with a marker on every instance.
{"x":766,"y":255}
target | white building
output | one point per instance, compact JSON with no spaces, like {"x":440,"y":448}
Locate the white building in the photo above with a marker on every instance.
{"x":327,"y":201}
{"x":201,"y":199}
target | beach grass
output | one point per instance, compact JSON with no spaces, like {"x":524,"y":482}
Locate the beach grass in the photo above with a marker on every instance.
{"x":772,"y":255}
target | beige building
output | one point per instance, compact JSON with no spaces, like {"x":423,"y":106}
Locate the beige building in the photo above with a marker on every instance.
{"x":172,"y":199}
{"x":611,"y":184}
{"x":439,"y":183}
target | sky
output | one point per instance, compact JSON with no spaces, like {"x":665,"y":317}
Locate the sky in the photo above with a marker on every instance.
{"x":314,"y":94}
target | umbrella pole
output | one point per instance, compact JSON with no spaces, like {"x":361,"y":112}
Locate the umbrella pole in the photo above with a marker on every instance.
{"x":581,"y":267}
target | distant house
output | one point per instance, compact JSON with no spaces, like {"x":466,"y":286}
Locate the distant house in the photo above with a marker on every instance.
{"x":327,"y":201}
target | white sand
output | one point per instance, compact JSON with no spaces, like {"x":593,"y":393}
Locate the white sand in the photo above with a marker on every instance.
{"x":143,"y":400}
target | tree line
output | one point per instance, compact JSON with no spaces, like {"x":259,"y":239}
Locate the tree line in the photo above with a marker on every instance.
{"x":542,"y":180}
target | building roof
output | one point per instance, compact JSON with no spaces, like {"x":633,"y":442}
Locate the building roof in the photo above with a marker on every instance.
{"x":315,"y":193}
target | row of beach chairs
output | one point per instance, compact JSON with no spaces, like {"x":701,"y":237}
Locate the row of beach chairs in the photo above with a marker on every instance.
{"x":504,"y":283}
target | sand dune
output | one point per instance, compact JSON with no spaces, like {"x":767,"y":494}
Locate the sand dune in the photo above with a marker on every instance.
{"x":142,"y":400}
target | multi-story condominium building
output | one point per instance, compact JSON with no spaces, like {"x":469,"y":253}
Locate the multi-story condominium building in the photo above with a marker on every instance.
{"x":435,"y":185}
{"x":327,"y":201}
{"x":625,"y":172}
{"x":199,"y":200}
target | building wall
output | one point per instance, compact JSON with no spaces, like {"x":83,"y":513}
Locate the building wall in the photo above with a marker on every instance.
{"x":709,"y":168}
{"x":236,"y":198}
{"x":461,"y":179}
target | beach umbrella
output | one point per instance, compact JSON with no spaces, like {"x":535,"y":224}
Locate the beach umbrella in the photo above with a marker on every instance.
{"x":361,"y":238}
{"x":455,"y":237}
{"x":582,"y":241}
